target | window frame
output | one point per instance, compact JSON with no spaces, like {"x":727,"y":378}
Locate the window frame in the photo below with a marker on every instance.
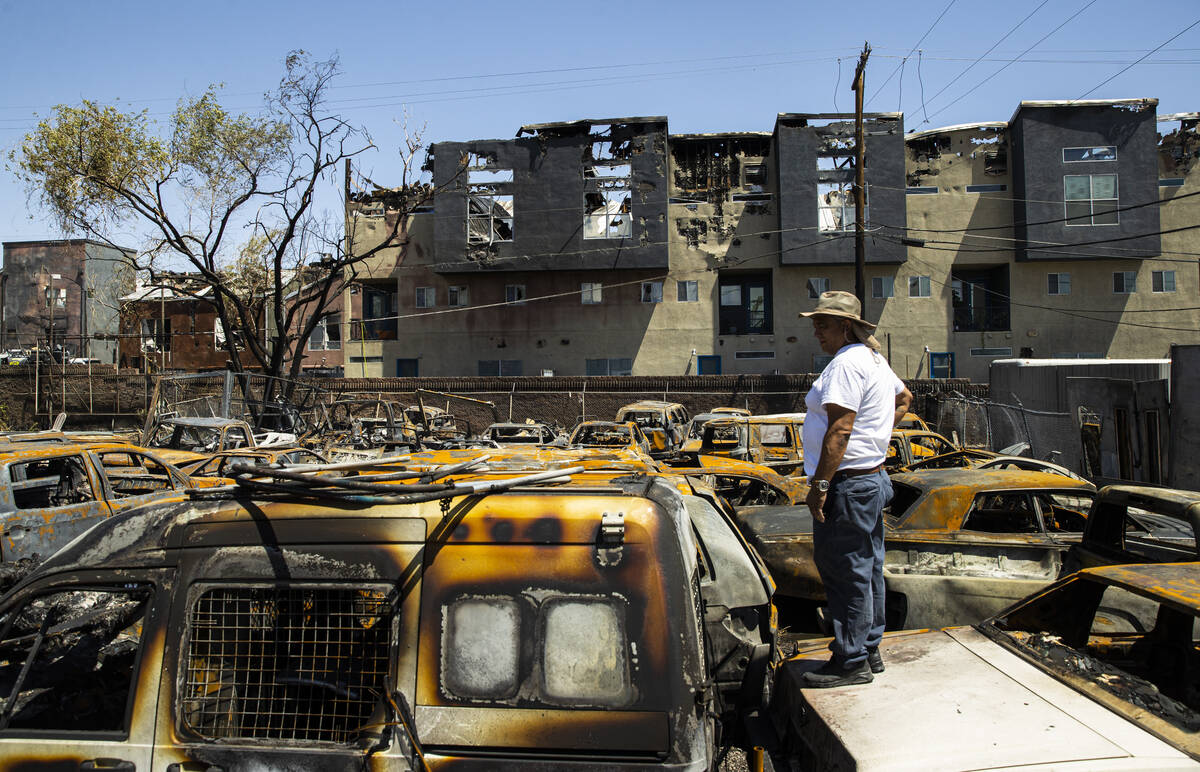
{"x":591,"y":293}
{"x":511,"y":290}
{"x":887,"y":287}
{"x":651,"y":285}
{"x":1109,"y":209}
{"x":687,"y":291}
{"x":1159,"y":278}
{"x":924,"y":286}
{"x":816,"y":285}
{"x":425,"y":297}
{"x":1128,"y":285}
{"x":1089,"y":160}
{"x":458,"y":296}
{"x":1058,"y":283}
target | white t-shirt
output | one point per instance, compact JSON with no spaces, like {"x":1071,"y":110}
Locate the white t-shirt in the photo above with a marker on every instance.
{"x":857,"y":379}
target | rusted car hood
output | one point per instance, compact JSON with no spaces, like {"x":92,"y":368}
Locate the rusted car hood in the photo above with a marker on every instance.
{"x":954,"y":699}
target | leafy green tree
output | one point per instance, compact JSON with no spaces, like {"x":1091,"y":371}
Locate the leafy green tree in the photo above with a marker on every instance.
{"x":229,"y":196}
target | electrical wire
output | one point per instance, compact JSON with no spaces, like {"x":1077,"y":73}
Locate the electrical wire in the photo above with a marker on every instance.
{"x":971,"y":66}
{"x":914,"y":48}
{"x":960,"y":97}
{"x":1134,"y":64}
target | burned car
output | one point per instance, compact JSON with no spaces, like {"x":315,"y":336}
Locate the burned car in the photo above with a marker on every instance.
{"x":609,"y":434}
{"x":445,"y":618}
{"x":1139,"y":524}
{"x":1097,"y":671}
{"x":530,"y":433}
{"x":52,"y":491}
{"x":960,"y":544}
{"x":771,"y":440}
{"x":663,"y":423}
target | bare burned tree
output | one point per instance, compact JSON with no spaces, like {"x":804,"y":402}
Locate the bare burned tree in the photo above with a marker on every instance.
{"x":230,"y":197}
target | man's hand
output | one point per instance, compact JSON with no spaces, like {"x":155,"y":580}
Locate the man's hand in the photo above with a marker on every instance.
{"x":816,"y":503}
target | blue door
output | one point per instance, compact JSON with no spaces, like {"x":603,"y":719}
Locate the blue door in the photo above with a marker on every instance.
{"x":708,"y":364}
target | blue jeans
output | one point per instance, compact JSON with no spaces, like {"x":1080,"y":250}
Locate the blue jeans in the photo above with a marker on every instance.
{"x":848,"y":550}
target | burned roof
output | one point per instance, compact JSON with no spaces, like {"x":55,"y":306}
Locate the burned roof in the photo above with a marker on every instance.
{"x":585,"y":124}
{"x":1141,"y":103}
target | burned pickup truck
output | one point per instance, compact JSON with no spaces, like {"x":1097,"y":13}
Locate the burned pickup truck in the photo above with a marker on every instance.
{"x":429,"y":617}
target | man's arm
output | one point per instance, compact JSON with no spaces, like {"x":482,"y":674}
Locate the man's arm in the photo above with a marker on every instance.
{"x":903,"y":403}
{"x":833,"y":448}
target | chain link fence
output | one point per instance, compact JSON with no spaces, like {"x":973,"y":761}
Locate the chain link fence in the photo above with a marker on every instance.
{"x":983,"y":423}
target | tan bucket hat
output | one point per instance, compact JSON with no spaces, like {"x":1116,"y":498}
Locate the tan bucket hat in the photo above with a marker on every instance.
{"x":845,"y":305}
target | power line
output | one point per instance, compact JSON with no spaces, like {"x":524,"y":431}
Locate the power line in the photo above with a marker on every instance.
{"x":1069,"y":19}
{"x":971,"y":66}
{"x":1139,"y":61}
{"x":914,"y":48}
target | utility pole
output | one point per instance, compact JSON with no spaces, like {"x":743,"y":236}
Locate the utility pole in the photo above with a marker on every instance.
{"x":860,"y":194}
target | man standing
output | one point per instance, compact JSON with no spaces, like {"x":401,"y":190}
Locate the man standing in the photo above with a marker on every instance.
{"x":852,"y":407}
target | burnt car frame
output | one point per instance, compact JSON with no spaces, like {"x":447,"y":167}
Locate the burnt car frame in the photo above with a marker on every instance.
{"x":960,"y":544}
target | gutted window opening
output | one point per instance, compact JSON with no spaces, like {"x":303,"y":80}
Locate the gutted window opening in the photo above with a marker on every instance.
{"x":710,"y":168}
{"x":695,"y":231}
{"x":286,"y":663}
{"x":50,"y":482}
{"x":489,"y":200}
{"x":608,"y":186}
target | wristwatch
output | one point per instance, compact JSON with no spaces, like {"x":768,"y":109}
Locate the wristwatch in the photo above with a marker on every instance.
{"x":821,"y":485}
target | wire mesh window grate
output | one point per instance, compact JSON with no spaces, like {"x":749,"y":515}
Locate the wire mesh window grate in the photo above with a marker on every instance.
{"x":291,"y":663}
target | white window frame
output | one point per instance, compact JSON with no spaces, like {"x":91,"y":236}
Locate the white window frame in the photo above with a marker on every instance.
{"x":1159,"y":278}
{"x":426,"y":297}
{"x":514,"y":294}
{"x":1107,"y":205}
{"x":816,"y":285}
{"x":829,"y":223}
{"x":1128,"y":282}
{"x":652,"y":292}
{"x":591,"y":293}
{"x":1060,"y":280}
{"x":886,"y":287}
{"x":458,"y":296}
{"x":687,"y":291}
{"x":924,"y":287}
{"x":322,"y":328}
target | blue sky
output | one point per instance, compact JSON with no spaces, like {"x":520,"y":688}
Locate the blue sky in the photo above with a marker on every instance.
{"x":467,"y":70}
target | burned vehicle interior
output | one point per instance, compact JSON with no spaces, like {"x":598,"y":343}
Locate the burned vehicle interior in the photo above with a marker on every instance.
{"x":1129,"y":644}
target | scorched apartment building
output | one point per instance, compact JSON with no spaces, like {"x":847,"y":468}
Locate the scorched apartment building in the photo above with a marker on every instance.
{"x":610,"y":246}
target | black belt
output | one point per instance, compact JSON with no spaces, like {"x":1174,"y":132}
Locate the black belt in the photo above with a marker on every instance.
{"x":844,"y":473}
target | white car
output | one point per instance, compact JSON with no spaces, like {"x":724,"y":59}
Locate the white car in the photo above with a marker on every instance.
{"x":1098,"y":671}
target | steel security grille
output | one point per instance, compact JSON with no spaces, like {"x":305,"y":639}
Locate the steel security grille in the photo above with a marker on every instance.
{"x":291,"y":663}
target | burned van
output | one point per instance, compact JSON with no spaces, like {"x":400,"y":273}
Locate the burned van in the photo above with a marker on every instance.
{"x":438,"y":619}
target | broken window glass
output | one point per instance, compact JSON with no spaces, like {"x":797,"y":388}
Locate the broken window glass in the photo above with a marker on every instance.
{"x":67,"y":660}
{"x":134,"y":474}
{"x":712,"y":167}
{"x":1002,"y":513}
{"x":287,"y":663}
{"x":835,"y":206}
{"x":1078,"y":154}
{"x":489,"y":218}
